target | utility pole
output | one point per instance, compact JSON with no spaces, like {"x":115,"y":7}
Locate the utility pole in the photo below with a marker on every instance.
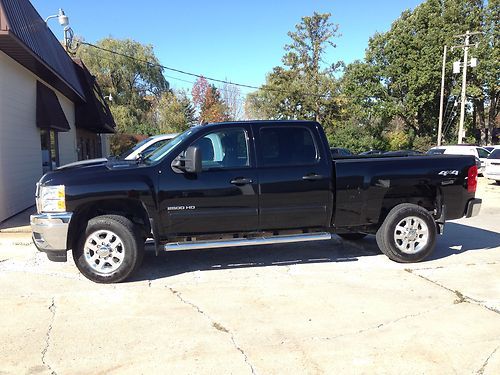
{"x":465,"y":63}
{"x":441,"y":101}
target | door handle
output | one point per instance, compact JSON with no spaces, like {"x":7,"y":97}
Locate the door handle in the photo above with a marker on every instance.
{"x":312,"y":177}
{"x":241,"y":181}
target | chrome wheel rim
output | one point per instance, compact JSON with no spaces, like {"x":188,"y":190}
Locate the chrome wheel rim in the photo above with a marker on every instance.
{"x":104,"y":251}
{"x":411,"y":235}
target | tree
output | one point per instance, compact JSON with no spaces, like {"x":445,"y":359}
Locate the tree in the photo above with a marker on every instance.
{"x":231,"y":96}
{"x":399,"y":79}
{"x":484,"y":86}
{"x":132,"y":83}
{"x":208,"y":102}
{"x":305,"y":86}
{"x":172,"y":113}
{"x":213,"y":108}
{"x":199,"y":92}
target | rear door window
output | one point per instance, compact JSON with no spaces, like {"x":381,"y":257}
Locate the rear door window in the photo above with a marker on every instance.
{"x":284,"y":146}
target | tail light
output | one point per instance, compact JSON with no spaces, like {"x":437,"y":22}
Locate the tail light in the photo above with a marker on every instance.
{"x":472,"y":179}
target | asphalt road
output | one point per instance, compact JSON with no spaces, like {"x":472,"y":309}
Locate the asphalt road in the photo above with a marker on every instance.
{"x":327,"y":307}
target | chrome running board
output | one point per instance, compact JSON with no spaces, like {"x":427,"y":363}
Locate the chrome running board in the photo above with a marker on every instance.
{"x":234,"y":242}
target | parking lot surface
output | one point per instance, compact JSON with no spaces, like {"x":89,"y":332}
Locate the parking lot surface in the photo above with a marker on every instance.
{"x":326,"y":307}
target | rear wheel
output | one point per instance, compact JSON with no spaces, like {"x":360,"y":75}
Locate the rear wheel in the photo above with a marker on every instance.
{"x":408,"y":234}
{"x":110,"y":249}
{"x":352,"y":236}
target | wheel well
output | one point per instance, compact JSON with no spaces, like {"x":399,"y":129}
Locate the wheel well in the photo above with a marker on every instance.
{"x":131,"y":209}
{"x":427,"y":197}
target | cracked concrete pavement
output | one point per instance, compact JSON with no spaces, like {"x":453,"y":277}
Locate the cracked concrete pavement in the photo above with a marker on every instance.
{"x":325,"y":307}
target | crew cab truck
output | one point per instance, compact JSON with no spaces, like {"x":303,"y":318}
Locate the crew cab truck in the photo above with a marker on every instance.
{"x":246,"y":183}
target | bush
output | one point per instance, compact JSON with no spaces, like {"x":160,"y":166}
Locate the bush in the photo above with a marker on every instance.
{"x":357,"y":138}
{"x":398,"y":140}
{"x":423,"y":143}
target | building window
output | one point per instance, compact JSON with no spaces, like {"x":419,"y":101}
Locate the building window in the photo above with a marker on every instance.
{"x":50,"y":149}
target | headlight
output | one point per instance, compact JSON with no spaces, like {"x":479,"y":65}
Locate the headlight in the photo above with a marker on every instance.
{"x":52,"y":199}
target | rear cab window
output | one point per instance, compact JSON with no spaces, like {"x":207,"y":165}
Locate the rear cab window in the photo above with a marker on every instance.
{"x":287,"y":146}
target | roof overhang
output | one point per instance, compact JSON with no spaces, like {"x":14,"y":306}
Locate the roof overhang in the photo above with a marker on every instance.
{"x":94,"y":114}
{"x":18,"y":51}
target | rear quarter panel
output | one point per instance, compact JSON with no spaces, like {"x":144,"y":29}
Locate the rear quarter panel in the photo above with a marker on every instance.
{"x":368,"y":188}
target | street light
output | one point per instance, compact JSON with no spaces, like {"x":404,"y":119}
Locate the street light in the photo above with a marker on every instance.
{"x":68,"y":31}
{"x":61,"y":17}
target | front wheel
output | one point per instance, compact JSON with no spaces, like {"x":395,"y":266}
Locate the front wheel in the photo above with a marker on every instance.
{"x":110,"y":249}
{"x":408,"y":234}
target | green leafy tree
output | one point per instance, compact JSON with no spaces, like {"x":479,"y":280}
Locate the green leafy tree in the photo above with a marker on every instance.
{"x":484,"y":84}
{"x":133,"y":83}
{"x":305,"y":86}
{"x":172,"y":113}
{"x":356,"y":137}
{"x":399,"y":79}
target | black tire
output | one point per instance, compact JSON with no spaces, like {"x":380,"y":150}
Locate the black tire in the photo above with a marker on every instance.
{"x":130,"y":248}
{"x":391,"y":246}
{"x":352,"y":236}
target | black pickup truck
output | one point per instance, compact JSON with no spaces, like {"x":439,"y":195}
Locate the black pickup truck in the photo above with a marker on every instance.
{"x":246,"y":183}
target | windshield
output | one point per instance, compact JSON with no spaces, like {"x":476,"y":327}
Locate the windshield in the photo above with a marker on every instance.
{"x":126,"y":153}
{"x":163,"y":151}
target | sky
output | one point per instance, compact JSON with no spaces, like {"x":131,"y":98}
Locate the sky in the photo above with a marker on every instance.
{"x":240,"y":41}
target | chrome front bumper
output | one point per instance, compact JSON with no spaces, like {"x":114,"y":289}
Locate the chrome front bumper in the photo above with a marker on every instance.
{"x":50,"y":231}
{"x":473,"y":207}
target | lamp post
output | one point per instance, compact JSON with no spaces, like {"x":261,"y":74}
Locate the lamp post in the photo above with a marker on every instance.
{"x":63,"y":20}
{"x":441,"y":100}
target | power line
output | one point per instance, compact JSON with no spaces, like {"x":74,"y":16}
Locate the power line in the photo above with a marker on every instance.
{"x":452,"y":116}
{"x":179,"y":79}
{"x":195,"y":74}
{"x":241,"y":100}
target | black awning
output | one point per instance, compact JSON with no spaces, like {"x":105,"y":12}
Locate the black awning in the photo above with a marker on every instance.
{"x":49,"y":114}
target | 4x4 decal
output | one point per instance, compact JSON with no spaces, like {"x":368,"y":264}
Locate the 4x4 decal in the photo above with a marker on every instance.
{"x":448,"y":173}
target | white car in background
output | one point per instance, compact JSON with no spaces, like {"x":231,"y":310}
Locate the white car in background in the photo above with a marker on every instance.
{"x":479,"y":152}
{"x":146,"y":146}
{"x":492,"y":169}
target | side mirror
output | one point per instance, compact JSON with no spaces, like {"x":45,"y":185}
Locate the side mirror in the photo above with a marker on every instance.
{"x":192,"y":160}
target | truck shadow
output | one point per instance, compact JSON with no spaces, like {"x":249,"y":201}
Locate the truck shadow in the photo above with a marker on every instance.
{"x":458,"y":238}
{"x":179,"y":262}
